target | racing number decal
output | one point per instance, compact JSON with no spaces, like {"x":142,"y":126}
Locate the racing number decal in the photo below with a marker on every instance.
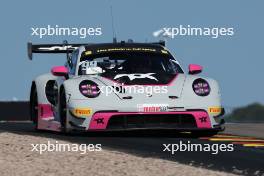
{"x":90,"y":67}
{"x":88,"y":64}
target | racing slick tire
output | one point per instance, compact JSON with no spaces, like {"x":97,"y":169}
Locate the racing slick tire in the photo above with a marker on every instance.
{"x":63,"y":111}
{"x":34,"y":106}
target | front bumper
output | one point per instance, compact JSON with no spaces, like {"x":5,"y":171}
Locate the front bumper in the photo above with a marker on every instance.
{"x":180,"y":120}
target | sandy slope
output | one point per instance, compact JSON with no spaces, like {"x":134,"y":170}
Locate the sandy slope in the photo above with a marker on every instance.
{"x":16,"y":158}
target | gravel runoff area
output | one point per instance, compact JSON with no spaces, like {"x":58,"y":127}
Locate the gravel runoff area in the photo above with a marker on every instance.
{"x":16,"y":158}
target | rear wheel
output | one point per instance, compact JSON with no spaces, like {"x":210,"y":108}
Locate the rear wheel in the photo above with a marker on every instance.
{"x":63,"y":111}
{"x":34,"y":107}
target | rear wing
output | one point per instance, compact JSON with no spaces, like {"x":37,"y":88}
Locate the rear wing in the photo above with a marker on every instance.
{"x":64,"y":47}
{"x":51,"y":48}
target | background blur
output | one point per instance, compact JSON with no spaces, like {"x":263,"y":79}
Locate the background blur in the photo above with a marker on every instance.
{"x":236,"y":62}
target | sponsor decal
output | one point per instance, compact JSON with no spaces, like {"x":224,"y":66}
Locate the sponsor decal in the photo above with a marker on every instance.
{"x":82,"y":112}
{"x":126,"y":49}
{"x":88,"y":53}
{"x":214,"y":110}
{"x":59,"y":48}
{"x":99,"y":121}
{"x":137,"y":76}
{"x":152,"y":107}
{"x":90,"y":67}
{"x":203,"y":119}
{"x":164,"y":52}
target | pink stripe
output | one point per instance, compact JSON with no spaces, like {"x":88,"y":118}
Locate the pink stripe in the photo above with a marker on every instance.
{"x":45,"y":114}
{"x":201,"y":117}
{"x":49,"y":125}
{"x":45,"y":111}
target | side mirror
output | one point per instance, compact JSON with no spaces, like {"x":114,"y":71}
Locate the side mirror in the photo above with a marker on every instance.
{"x":60,"y":71}
{"x":195,"y":69}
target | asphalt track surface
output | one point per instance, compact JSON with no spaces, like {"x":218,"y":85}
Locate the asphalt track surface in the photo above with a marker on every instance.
{"x":246,"y":159}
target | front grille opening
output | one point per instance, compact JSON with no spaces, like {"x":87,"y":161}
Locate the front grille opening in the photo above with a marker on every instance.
{"x":151,"y":121}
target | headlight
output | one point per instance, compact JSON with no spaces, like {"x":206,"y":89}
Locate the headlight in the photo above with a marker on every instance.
{"x":89,"y":89}
{"x":201,"y":87}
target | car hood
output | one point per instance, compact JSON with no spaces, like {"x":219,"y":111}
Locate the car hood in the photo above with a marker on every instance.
{"x":146,"y":92}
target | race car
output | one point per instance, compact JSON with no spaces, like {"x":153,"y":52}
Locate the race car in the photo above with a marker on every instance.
{"x":123,"y":86}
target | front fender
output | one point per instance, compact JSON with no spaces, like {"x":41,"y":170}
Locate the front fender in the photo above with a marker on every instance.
{"x":192,"y":100}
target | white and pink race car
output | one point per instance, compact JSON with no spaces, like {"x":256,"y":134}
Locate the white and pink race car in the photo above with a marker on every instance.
{"x":123,"y":86}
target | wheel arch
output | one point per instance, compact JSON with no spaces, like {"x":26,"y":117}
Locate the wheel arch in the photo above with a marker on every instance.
{"x":40,"y":84}
{"x":32,"y":89}
{"x":33,"y":86}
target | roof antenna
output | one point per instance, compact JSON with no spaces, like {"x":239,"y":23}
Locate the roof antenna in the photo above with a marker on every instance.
{"x":113,"y":27}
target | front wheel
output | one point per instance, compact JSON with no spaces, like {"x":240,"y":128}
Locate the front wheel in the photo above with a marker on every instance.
{"x":34,"y":107}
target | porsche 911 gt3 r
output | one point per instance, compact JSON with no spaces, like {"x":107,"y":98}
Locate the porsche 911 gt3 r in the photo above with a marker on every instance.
{"x":123,"y":86}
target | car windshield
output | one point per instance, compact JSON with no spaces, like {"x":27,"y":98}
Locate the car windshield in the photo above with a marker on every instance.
{"x":131,"y":68}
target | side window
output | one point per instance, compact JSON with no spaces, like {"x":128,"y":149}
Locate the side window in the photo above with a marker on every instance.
{"x":74,"y":58}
